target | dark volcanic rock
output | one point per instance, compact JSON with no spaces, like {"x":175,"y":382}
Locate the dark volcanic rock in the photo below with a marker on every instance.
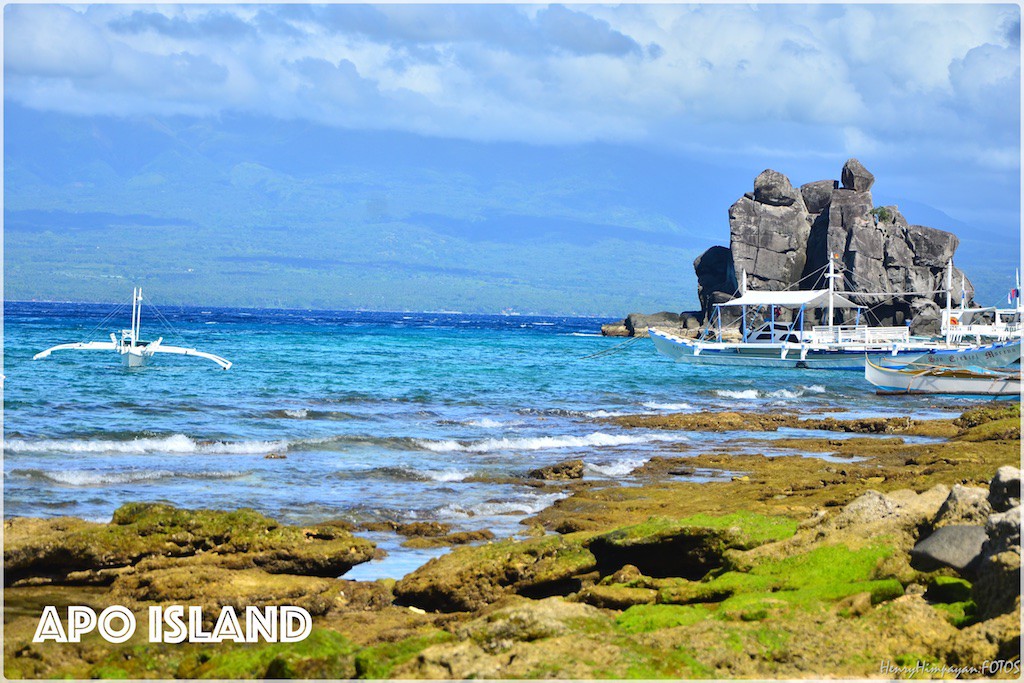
{"x":957,"y":546}
{"x":771,"y":187}
{"x":768,"y":239}
{"x":817,"y":195}
{"x":570,"y":469}
{"x":927,"y":317}
{"x":715,"y":274}
{"x":856,"y":177}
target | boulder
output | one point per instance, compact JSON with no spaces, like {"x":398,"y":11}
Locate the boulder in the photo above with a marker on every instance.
{"x":817,"y":195}
{"x":957,"y":546}
{"x":769,"y":232}
{"x":856,"y":177}
{"x":771,"y":187}
{"x":932,"y":248}
{"x":964,"y":505}
{"x":997,"y":585}
{"x":637,"y":323}
{"x":570,"y":469}
{"x":1004,"y":489}
{"x":614,"y":330}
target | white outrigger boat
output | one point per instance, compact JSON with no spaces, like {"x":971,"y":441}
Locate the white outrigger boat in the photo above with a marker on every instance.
{"x":781,"y":344}
{"x":133,"y":350}
{"x":991,"y":323}
{"x":922,"y":378}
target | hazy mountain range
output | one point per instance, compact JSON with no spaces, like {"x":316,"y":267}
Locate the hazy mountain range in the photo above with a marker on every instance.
{"x":263,"y":212}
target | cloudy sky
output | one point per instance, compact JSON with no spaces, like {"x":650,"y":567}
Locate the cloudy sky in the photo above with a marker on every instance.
{"x":927,"y":96}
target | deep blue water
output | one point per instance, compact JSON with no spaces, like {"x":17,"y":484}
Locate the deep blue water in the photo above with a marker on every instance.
{"x":403,"y":416}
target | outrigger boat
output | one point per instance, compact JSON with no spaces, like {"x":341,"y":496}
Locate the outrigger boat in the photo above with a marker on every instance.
{"x":991,"y":323}
{"x":781,"y":344}
{"x":133,"y":350}
{"x":922,"y":378}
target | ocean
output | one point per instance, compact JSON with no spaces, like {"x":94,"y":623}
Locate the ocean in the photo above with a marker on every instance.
{"x":379,"y":416}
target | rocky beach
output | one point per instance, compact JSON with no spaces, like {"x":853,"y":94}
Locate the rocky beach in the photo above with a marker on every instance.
{"x":887,"y":547}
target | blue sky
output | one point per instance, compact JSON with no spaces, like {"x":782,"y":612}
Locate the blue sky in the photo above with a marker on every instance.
{"x":927,"y":96}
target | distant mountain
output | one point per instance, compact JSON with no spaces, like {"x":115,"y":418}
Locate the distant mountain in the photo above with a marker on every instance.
{"x":254,"y":211}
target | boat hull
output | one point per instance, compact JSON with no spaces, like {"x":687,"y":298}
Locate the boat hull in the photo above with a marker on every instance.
{"x":951,"y":382}
{"x":997,"y":355}
{"x":771,"y":355}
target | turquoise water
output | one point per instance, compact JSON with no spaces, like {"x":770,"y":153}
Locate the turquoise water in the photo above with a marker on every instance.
{"x":397,"y":416}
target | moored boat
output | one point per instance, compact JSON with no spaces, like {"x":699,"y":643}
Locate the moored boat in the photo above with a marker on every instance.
{"x":922,"y":378}
{"x":134,"y":351}
{"x":778,"y":343}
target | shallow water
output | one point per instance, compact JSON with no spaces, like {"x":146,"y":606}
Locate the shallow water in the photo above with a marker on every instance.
{"x":400,"y":416}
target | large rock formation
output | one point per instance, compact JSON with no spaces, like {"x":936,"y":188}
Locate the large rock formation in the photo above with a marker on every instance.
{"x":769,"y":230}
{"x":782,"y":238}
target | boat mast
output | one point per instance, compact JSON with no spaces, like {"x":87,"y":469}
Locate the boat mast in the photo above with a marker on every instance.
{"x":949,"y":300}
{"x":743,"y":309}
{"x":831,"y":290}
{"x":136,"y":314}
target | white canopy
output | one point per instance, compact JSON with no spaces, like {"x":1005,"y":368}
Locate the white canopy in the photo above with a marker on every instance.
{"x":791,"y":299}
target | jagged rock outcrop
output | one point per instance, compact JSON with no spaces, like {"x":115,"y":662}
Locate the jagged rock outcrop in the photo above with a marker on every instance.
{"x":856,"y":177}
{"x":716,"y":278}
{"x":768,"y":232}
{"x":782,"y":238}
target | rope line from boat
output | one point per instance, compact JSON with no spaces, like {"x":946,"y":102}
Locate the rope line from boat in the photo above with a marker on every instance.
{"x":103,"y":322}
{"x":618,"y":348}
{"x":167,"y":324}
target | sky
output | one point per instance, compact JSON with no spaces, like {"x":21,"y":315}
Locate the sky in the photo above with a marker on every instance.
{"x":926,"y":96}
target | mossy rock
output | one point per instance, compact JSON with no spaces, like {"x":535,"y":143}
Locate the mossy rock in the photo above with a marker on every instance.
{"x":989,"y":412}
{"x":617,"y":597}
{"x":948,"y":589}
{"x":324,"y":654}
{"x":687,"y":547}
{"x":469,"y":578}
{"x":214,"y":587}
{"x":378,"y":661}
{"x":1005,"y":429}
{"x":68,"y":550}
{"x":644,"y":618}
{"x":810,"y":580}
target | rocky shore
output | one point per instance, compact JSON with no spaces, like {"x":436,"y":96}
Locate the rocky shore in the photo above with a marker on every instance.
{"x":833,"y":556}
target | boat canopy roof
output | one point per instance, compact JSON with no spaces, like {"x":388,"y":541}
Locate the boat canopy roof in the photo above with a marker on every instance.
{"x":791,"y":299}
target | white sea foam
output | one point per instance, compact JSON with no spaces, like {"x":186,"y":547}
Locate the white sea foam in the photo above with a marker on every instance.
{"x":815,"y":389}
{"x":176,"y":444}
{"x":616,"y":469}
{"x":486,"y":423}
{"x":611,"y":413}
{"x":666,"y":406}
{"x":785,"y":393}
{"x":301,"y":413}
{"x":445,"y":475}
{"x":744,"y":394}
{"x":526,"y":505}
{"x":99,"y":478}
{"x":537,"y":443}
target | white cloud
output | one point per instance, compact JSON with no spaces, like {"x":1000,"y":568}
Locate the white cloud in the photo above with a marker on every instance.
{"x":886,"y":77}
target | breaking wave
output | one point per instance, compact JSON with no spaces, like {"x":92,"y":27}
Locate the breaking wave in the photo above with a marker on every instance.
{"x":538,"y":443}
{"x":175,"y":444}
{"x":97,"y":478}
{"x":667,"y":406}
{"x":616,"y":469}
